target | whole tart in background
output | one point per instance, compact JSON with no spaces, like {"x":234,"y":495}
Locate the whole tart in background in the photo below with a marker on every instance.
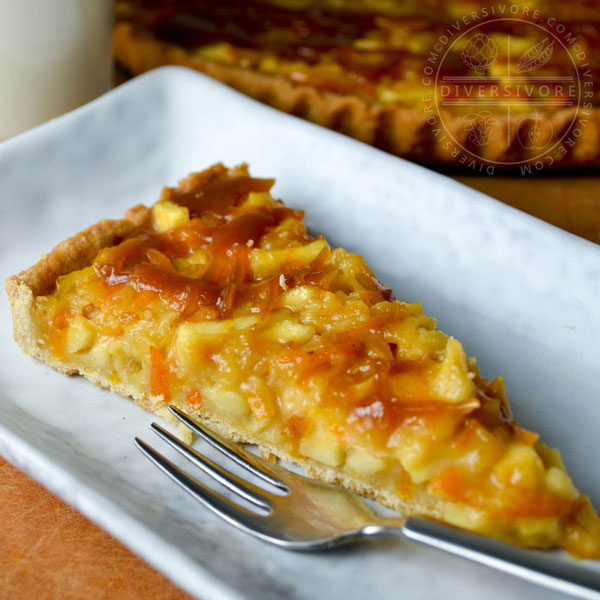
{"x":505,"y":89}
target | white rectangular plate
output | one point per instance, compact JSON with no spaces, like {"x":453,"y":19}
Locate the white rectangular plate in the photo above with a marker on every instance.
{"x":522,"y":295}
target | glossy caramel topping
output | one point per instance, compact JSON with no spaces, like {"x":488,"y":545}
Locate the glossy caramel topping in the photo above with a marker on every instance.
{"x":227,"y":229}
{"x":145,"y":261}
{"x":219,"y":196}
{"x":222,"y":228}
{"x":134,"y":263}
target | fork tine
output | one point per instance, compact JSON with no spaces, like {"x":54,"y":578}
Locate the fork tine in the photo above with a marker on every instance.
{"x":229,"y":480}
{"x":226,"y":509}
{"x":238,"y":455}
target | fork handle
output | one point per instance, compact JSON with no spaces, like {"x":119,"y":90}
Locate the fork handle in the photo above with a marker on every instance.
{"x":569,"y":578}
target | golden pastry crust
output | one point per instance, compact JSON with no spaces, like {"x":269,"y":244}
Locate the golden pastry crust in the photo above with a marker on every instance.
{"x":400,"y":130}
{"x":70,"y":255}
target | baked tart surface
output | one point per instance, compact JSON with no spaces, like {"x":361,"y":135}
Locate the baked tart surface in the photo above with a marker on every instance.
{"x":505,"y":95}
{"x":217,"y":300}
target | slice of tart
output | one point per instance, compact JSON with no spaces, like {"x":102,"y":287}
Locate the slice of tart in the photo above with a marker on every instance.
{"x":217,"y":300}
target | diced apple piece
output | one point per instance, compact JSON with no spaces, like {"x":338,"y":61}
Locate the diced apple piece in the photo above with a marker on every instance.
{"x":75,"y":279}
{"x":466,"y":517}
{"x":122,"y":362}
{"x":301,"y":297}
{"x":287,"y":233}
{"x":539,"y":532}
{"x":430,"y":470}
{"x":100,"y":357}
{"x":326,"y":310}
{"x":520,"y":466}
{"x":363,"y":463}
{"x":290,"y":330}
{"x":416,"y":338}
{"x":418,"y":452}
{"x":167,"y":215}
{"x":452,"y":383}
{"x":353,"y":274}
{"x":190,"y":332}
{"x":364,"y":388}
{"x":322,"y":445}
{"x":411,"y":452}
{"x":222,"y":52}
{"x":266,"y":263}
{"x":258,"y":199}
{"x":190,"y":337}
{"x":550,"y":456}
{"x":225,"y":400}
{"x":80,"y":335}
{"x":560,"y":483}
{"x":198,"y":258}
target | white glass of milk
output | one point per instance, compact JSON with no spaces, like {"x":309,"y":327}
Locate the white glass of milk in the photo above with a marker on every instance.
{"x":54,"y":56}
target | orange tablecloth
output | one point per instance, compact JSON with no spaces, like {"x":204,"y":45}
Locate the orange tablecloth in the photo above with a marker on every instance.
{"x":49,"y":551}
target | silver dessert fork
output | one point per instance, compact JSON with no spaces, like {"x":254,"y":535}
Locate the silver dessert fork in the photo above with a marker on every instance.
{"x":302,"y":514}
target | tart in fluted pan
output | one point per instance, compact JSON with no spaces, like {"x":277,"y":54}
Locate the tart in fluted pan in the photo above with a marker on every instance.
{"x":416,"y":79}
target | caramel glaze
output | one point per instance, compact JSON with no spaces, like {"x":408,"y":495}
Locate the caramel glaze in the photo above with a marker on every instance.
{"x":227,"y":232}
{"x":226,"y":283}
